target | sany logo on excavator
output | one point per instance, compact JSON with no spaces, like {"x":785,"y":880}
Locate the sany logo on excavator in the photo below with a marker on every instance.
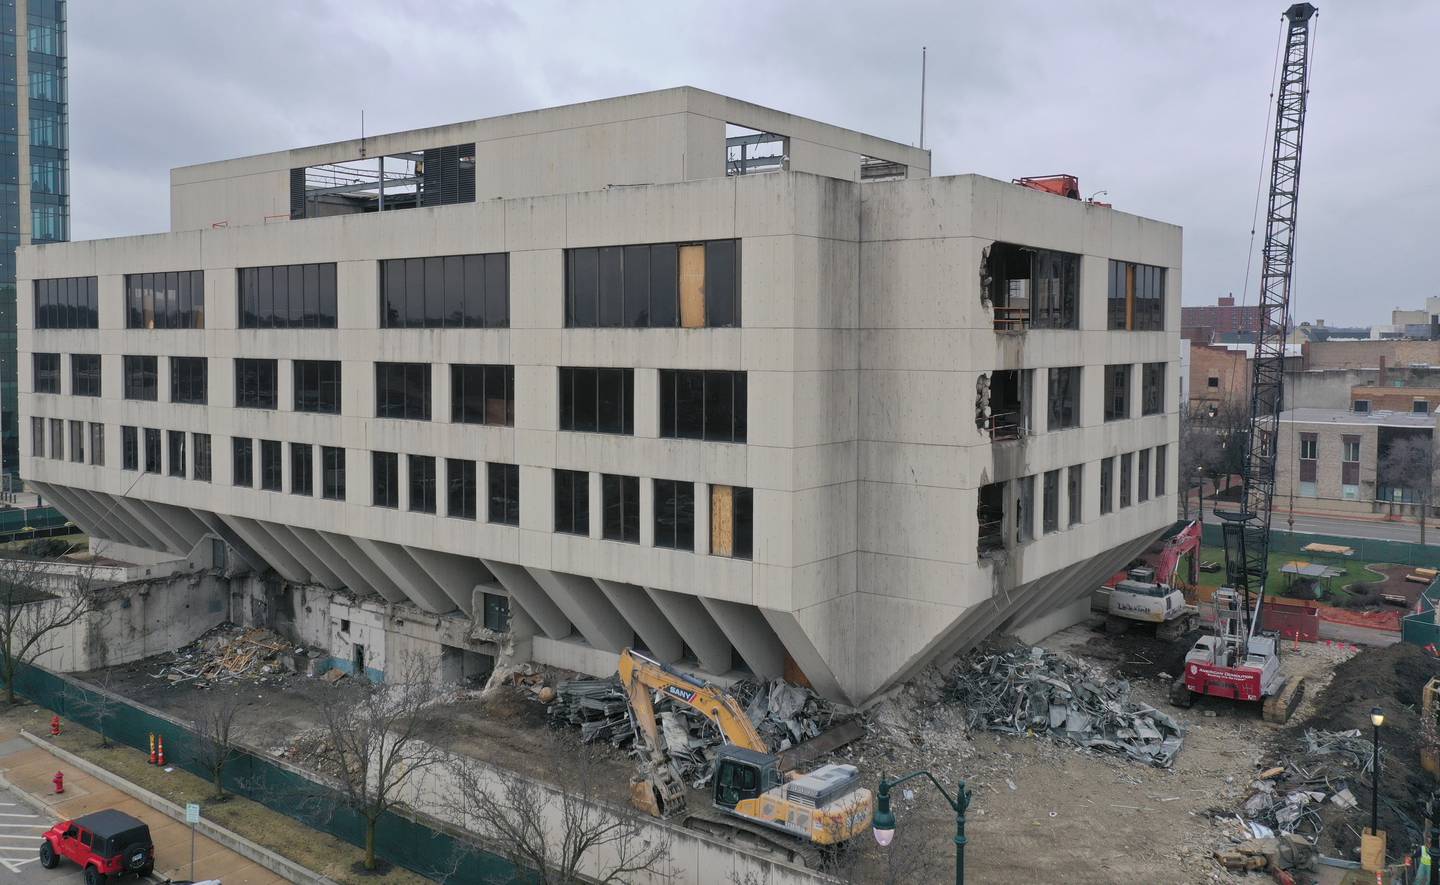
{"x":683,"y":694}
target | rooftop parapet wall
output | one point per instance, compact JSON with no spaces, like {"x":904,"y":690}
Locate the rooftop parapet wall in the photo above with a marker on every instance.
{"x":651,"y":138}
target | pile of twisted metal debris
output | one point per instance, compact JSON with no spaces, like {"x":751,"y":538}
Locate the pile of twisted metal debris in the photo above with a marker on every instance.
{"x":1313,"y":788}
{"x":230,"y":653}
{"x":1031,"y":690}
{"x":785,"y":715}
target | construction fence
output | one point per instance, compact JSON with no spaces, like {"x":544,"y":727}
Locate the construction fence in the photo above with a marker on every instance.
{"x":429,"y":851}
{"x":1366,"y":549}
{"x":1422,"y":627}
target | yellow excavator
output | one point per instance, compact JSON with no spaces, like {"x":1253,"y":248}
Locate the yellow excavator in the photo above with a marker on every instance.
{"x":824,"y":807}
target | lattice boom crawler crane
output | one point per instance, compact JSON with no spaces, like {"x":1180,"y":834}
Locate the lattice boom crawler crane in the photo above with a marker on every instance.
{"x":1237,"y":661}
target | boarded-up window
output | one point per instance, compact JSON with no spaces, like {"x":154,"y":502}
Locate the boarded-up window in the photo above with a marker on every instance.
{"x":731,"y":521}
{"x":692,"y":287}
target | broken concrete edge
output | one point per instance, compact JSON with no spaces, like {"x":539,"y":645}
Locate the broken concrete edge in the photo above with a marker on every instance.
{"x":280,"y":866}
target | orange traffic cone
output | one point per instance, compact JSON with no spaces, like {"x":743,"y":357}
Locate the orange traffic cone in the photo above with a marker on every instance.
{"x":152,"y":748}
{"x":161,"y":754}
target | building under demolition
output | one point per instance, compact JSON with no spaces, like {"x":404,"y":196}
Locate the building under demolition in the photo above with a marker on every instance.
{"x":672,"y":370}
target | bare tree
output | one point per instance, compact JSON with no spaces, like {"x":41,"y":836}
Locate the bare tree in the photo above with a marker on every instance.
{"x":36,"y":607}
{"x":562,"y":835}
{"x":97,"y":704}
{"x":214,"y":744}
{"x":379,"y":737}
{"x":1408,"y":464}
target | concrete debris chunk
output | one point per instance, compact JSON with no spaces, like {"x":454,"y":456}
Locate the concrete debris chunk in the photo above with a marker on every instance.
{"x":230,"y":653}
{"x":1035,"y":691}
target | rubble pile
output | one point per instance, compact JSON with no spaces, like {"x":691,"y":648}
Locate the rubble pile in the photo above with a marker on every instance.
{"x":1270,"y":854}
{"x":785,"y":715}
{"x":230,"y":653}
{"x":1031,"y":690}
{"x":1293,"y":797}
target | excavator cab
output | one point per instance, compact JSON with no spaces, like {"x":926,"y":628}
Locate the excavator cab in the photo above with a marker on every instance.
{"x":743,"y":774}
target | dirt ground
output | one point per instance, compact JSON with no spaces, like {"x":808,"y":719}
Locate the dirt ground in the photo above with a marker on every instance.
{"x":1039,"y":808}
{"x":1383,"y":580}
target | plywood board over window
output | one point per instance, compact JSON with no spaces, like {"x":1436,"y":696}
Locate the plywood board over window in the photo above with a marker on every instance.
{"x":722,"y":520}
{"x":692,"y":287}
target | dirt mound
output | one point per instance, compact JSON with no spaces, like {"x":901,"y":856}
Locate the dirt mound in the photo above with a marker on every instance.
{"x":1390,"y":678}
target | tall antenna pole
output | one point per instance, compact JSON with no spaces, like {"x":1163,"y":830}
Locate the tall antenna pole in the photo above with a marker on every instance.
{"x":362,"y":132}
{"x":922,"y":97}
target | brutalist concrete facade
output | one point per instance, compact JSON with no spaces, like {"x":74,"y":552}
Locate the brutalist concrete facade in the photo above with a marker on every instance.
{"x":865,"y":333}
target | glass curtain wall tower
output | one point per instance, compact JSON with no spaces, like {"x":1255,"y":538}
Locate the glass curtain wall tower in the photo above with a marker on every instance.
{"x":34,"y":133}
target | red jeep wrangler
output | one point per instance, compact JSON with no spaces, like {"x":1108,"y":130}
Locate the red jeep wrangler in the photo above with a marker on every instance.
{"x":104,"y":844}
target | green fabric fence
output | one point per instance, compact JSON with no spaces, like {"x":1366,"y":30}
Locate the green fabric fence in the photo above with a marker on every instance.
{"x":1419,"y":627}
{"x":426,"y":850}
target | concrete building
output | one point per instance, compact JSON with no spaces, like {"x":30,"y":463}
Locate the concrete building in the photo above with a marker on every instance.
{"x":1333,"y":459}
{"x":35,"y":180}
{"x":751,"y":391}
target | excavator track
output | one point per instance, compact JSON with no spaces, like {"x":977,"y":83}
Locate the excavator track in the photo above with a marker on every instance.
{"x":754,"y":837}
{"x":1279,"y":706}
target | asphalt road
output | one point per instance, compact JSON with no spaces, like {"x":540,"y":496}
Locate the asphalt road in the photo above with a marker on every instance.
{"x":20,"y":829}
{"x":1408,"y":530}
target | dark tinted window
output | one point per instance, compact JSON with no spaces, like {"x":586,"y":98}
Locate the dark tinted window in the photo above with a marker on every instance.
{"x":140,"y":377}
{"x":317,"y":386}
{"x":129,"y":448}
{"x":460,"y":488}
{"x":451,"y":292}
{"x":67,"y":303}
{"x":620,"y":496}
{"x":47,"y":372}
{"x":1152,"y":389}
{"x":421,"y":470}
{"x":504,"y":492}
{"x":152,"y":450}
{"x":1117,"y":392}
{"x":270,"y":465}
{"x":332,"y":473}
{"x":638,"y":286}
{"x":255,"y":384}
{"x":295,"y":296}
{"x":1126,"y":469}
{"x":572,"y":502}
{"x":402,"y":390}
{"x":176,"y":441}
{"x":674,"y":514}
{"x":201,"y":444}
{"x":85,"y":374}
{"x":302,"y":469}
{"x":703,"y":405}
{"x":189,"y":379}
{"x":597,"y":400}
{"x":481,"y":394}
{"x":167,"y":300}
{"x":243,"y":465}
{"x":385,"y":479}
{"x":1064,"y":398}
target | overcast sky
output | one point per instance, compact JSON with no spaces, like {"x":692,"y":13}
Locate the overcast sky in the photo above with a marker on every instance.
{"x":1161,"y":104}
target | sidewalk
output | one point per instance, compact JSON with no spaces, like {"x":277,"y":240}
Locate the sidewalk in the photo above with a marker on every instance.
{"x":30,"y":769}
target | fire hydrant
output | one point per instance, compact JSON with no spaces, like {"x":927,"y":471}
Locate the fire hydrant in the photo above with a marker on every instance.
{"x":59,"y":781}
{"x":55,"y":725}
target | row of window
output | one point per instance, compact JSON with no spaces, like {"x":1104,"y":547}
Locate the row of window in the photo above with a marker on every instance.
{"x":174,"y":300}
{"x":1064,"y":393}
{"x":80,"y":435}
{"x":732,"y":517}
{"x":293,"y":296}
{"x":707,"y":405}
{"x":1136,"y":297}
{"x":664,"y":285}
{"x":453,"y":292}
{"x":67,"y":303}
{"x":1129,"y":464}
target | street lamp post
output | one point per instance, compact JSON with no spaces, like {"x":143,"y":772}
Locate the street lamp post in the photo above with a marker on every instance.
{"x":1377,"y":719}
{"x":884,"y":820}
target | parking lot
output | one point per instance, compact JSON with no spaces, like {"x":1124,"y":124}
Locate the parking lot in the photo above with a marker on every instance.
{"x":20,"y":829}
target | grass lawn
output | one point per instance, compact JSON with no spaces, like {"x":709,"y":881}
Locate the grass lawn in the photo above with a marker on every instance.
{"x":1352,"y":571}
{"x":285,"y":836}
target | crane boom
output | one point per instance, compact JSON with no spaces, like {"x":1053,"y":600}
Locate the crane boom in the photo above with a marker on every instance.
{"x":1247,"y":531}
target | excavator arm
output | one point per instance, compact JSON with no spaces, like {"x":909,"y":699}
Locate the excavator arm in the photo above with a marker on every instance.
{"x":641,"y":675}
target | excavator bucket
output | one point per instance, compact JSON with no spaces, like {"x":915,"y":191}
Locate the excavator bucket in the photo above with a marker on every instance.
{"x":659,"y":795}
